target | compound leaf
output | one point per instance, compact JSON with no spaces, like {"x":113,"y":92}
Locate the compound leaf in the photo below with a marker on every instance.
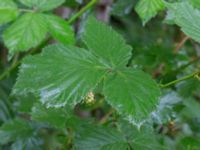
{"x":65,"y":75}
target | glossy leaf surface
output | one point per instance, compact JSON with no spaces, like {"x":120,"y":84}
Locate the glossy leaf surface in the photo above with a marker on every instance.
{"x":138,"y":97}
{"x":68,"y":75}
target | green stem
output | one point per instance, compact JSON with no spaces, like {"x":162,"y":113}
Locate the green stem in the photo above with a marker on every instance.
{"x":105,"y":118}
{"x":192,"y":75}
{"x":84,"y":9}
{"x":70,"y":21}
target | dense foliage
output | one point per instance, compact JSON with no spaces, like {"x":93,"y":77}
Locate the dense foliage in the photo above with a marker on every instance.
{"x":99,"y":74}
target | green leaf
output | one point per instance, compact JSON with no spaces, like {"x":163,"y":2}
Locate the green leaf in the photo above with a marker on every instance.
{"x":106,"y":43}
{"x":60,"y":29}
{"x":98,"y":138}
{"x":145,"y":139}
{"x":122,"y":8}
{"x":142,"y":139}
{"x":189,"y":143}
{"x":188,"y":18}
{"x":147,"y":9}
{"x":195,"y":3}
{"x":27,"y":32}
{"x":8,"y":11}
{"x":133,"y":93}
{"x":15,"y":129}
{"x":60,"y":75}
{"x":65,"y":75}
{"x":52,"y":116}
{"x":192,"y":108}
{"x":73,"y":3}
{"x":188,"y":87}
{"x":30,"y":143}
{"x":5,"y":113}
{"x":24,"y":104}
{"x":43,"y":5}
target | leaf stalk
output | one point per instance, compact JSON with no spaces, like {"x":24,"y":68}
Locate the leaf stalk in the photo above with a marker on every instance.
{"x":192,"y":75}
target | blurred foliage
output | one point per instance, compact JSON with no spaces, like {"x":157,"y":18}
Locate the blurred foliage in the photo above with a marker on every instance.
{"x":93,"y":124}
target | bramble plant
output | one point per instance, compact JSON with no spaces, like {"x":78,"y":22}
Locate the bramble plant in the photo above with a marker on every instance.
{"x":75,"y":82}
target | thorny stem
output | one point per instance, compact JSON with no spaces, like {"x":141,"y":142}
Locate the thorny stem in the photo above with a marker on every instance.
{"x":192,"y":75}
{"x":70,"y":21}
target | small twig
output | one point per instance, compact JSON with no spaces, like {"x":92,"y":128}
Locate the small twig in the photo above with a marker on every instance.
{"x":180,"y":44}
{"x":192,"y":75}
{"x":105,"y":118}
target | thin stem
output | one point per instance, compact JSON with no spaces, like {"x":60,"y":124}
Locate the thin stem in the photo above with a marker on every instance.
{"x":105,"y":118}
{"x":84,"y":9}
{"x":192,"y":75}
{"x":70,"y":21}
{"x":181,"y":43}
